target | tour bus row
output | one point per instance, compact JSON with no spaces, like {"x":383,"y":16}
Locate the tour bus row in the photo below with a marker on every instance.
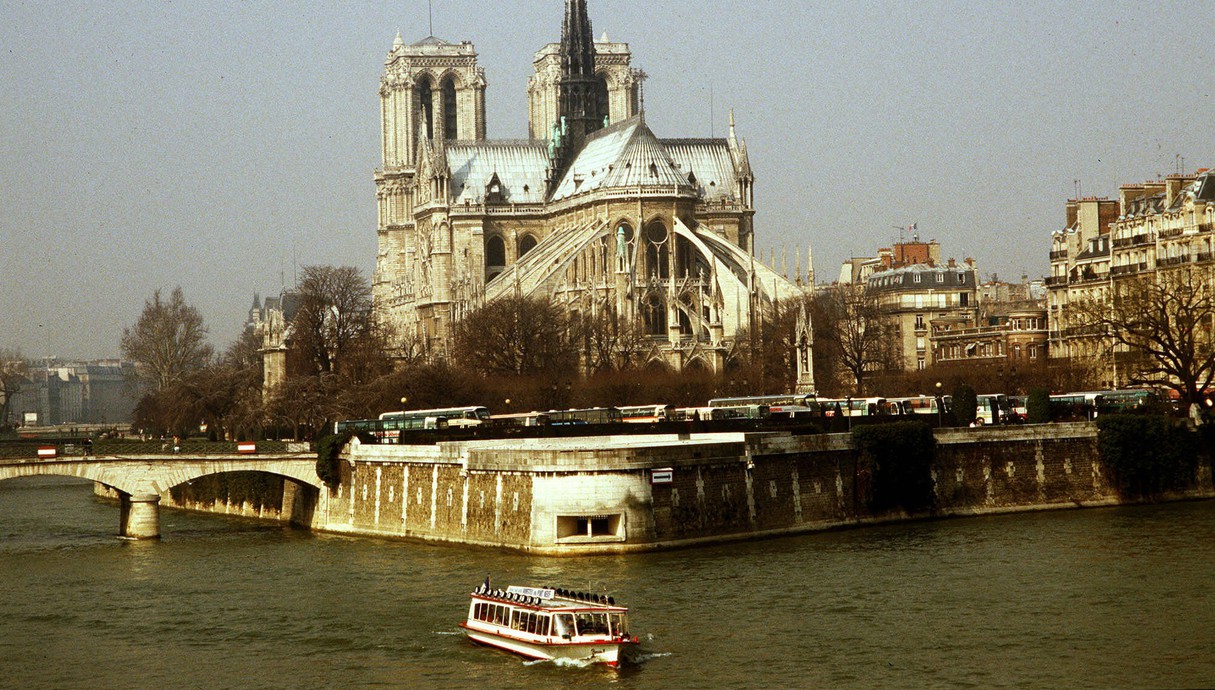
{"x":995,"y":408}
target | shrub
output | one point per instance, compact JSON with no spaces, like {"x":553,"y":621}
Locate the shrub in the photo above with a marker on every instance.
{"x":328,"y":458}
{"x":965,"y":405}
{"x":1145,"y":456}
{"x":1037,"y":407}
{"x":898,"y":460}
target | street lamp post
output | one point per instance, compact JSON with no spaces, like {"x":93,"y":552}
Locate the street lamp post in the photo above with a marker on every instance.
{"x":940,"y":407}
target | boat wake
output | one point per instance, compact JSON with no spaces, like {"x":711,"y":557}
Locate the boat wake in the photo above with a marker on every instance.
{"x":567,"y":663}
{"x":643,"y":658}
{"x":446,"y":632}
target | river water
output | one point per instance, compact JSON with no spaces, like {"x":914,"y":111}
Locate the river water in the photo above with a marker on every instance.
{"x":1118,"y":597}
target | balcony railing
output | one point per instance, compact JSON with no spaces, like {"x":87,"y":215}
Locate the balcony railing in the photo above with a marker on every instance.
{"x":1129,"y":269}
{"x":1135,"y":240}
{"x":1058,"y":255}
{"x":1170,"y":233}
{"x":1203,"y":257}
{"x":1174,"y":260}
{"x":1056,"y":280}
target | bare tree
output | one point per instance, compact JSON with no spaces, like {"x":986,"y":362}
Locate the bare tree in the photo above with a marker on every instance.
{"x":610,"y":342}
{"x":168,"y":341}
{"x":517,"y":335}
{"x":14,"y":374}
{"x":850,"y":320}
{"x":1165,"y":324}
{"x":333,"y":327}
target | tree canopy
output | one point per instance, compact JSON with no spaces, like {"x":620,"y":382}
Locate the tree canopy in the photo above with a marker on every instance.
{"x":1164,"y":323}
{"x":168,"y":341}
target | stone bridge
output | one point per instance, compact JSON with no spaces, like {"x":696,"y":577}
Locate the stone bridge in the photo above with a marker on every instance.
{"x":141,"y":480}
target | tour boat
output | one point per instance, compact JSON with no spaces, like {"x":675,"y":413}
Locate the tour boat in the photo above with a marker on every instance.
{"x":549,"y":624}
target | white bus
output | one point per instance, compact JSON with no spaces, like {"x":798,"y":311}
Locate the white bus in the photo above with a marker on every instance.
{"x":642,"y":414}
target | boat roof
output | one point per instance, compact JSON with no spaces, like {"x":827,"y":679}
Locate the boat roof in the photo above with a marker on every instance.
{"x":549,"y":599}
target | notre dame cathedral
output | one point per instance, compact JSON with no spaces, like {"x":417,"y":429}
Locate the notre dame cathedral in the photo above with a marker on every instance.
{"x":593,"y":210}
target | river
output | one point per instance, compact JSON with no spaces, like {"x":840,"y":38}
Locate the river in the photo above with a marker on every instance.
{"x":1117,"y":597}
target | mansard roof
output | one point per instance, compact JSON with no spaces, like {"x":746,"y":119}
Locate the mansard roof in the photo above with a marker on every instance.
{"x":626,"y":154}
{"x":519,"y":165}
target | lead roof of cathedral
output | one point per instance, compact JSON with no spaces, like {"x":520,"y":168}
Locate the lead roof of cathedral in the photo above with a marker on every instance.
{"x":519,"y":165}
{"x":626,"y":154}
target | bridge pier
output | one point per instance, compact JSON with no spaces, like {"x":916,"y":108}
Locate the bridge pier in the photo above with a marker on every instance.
{"x":140,"y":516}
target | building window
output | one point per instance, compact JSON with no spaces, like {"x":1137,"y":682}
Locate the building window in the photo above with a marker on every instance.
{"x":919,"y":364}
{"x":963,"y":299}
{"x":526,"y":244}
{"x":426,"y":105}
{"x":940,"y":277}
{"x":919,"y":322}
{"x":495,"y":252}
{"x":450,"y":121}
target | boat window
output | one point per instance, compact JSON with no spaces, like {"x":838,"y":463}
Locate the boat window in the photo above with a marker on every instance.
{"x":592,"y":624}
{"x":542,"y":625}
{"x":500,"y":615}
{"x":531,"y":623}
{"x":620,"y":624}
{"x":518,"y":619}
{"x":563,"y":625}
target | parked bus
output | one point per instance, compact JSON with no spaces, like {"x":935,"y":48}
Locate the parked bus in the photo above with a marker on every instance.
{"x":993,"y":409}
{"x":859,"y":407}
{"x":520,"y":419}
{"x":788,"y":405}
{"x":642,"y":414}
{"x":719,"y":413}
{"x":388,"y":428}
{"x":1091,"y":404}
{"x":594,"y":415}
{"x":920,"y":405}
{"x":432,"y":419}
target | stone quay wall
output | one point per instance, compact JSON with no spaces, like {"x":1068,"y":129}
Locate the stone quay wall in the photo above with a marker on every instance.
{"x":614,"y":494}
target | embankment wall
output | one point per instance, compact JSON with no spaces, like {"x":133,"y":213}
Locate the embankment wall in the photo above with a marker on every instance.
{"x":602,"y":494}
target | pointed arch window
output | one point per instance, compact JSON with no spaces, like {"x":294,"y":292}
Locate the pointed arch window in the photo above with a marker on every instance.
{"x":426,"y":106}
{"x":450,"y":121}
{"x":526,"y":244}
{"x":654,"y":315}
{"x":495,"y":252}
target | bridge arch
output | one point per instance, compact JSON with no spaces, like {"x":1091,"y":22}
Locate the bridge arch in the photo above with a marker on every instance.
{"x":141,"y":483}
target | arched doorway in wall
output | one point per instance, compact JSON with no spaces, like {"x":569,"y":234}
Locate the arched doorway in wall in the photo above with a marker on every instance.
{"x":450,"y":119}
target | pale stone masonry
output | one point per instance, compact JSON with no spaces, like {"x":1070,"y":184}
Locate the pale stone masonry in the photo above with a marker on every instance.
{"x":593,"y":210}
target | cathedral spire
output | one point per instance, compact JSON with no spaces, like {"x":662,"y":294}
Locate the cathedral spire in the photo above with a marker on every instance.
{"x":579,"y":104}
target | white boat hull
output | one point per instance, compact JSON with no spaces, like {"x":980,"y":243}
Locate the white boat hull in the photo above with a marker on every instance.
{"x":597,"y":652}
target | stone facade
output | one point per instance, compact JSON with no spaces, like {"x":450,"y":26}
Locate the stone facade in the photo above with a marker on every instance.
{"x":1152,"y":226}
{"x":593,"y":211}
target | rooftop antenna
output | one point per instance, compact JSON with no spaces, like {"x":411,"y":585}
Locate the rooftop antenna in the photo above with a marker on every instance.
{"x":430,"y":4}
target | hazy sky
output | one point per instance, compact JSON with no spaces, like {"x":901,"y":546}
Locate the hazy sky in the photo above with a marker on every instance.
{"x":217,"y":146}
